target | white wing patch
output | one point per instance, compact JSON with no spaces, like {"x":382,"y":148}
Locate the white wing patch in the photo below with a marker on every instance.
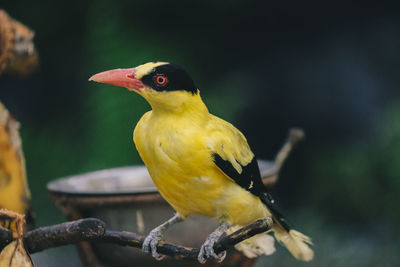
{"x":203,"y":179}
{"x":251,"y":185}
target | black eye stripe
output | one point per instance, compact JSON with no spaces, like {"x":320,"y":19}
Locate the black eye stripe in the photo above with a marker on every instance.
{"x":176,"y":79}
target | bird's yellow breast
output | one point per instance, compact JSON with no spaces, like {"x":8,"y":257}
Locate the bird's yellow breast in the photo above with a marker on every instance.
{"x":175,"y":152}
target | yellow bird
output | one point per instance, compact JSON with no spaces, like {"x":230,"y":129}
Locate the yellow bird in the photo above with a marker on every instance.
{"x":200,"y":163}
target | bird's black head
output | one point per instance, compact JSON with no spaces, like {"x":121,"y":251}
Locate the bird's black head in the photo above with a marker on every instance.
{"x":164,"y":85}
{"x":168,"y":77}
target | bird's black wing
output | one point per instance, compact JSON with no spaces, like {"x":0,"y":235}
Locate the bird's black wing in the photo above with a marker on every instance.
{"x":250,"y":179}
{"x":232,"y":155}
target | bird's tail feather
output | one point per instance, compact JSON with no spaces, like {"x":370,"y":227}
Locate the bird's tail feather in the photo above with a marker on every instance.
{"x":296,"y":242}
{"x":255,"y":246}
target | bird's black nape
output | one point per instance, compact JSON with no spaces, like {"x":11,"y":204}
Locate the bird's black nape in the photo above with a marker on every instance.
{"x":177,"y":79}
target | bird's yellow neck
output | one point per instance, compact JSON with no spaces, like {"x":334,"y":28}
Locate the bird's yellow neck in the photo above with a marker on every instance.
{"x":181,"y":103}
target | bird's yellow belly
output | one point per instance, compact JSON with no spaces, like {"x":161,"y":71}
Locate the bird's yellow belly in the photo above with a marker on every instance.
{"x":188,"y":194}
{"x":212,"y":196}
{"x":184,"y":173}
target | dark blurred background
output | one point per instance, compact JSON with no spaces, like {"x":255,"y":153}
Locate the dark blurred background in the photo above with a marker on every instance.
{"x":265,"y":67}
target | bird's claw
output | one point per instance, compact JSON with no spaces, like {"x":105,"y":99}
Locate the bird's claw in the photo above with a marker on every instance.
{"x":150,"y":244}
{"x":207,"y":251}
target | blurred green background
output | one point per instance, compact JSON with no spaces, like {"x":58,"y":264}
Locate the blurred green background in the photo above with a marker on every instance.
{"x":264,"y":66}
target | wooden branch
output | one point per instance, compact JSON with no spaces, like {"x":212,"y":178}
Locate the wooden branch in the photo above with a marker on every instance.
{"x":270,"y":175}
{"x":63,"y":234}
{"x":257,"y":227}
{"x":294,"y":136}
{"x":94,"y":230}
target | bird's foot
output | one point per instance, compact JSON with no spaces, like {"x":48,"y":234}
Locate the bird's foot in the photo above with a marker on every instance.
{"x":155,"y":236}
{"x":207,"y":251}
{"x":150,"y":243}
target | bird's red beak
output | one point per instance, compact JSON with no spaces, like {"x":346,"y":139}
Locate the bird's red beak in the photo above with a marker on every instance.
{"x":119,"y":77}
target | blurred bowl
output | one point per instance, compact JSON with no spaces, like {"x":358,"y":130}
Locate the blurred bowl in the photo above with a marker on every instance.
{"x":126,"y":199}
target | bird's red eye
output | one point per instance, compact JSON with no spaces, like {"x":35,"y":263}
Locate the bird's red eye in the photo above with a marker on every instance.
{"x":161,"y":79}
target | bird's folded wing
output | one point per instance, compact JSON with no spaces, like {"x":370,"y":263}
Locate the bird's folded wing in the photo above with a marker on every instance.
{"x":233,"y":156}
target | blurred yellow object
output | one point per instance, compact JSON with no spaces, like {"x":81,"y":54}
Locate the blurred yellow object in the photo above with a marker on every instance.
{"x":14,"y":192}
{"x":14,"y":254}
